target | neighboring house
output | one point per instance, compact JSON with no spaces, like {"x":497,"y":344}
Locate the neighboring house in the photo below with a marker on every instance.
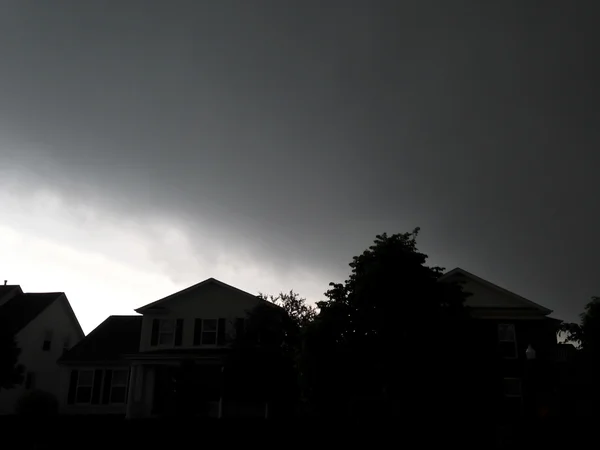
{"x":135,"y":365}
{"x":514,"y":347}
{"x":44,"y":326}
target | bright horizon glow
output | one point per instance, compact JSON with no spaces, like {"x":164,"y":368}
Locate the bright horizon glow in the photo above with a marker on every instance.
{"x":109,"y":265}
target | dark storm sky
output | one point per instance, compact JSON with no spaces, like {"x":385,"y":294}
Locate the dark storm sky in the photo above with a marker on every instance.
{"x":297,"y":130}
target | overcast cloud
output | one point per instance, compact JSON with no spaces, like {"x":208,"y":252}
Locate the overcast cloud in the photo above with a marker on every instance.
{"x":148,"y":145}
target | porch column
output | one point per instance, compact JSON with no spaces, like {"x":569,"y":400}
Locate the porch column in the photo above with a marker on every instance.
{"x":139,"y":398}
{"x":131,"y":397}
{"x":220,"y":416}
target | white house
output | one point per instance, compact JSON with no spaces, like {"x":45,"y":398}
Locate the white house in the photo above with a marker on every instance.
{"x":130,"y":364}
{"x":45,"y":326}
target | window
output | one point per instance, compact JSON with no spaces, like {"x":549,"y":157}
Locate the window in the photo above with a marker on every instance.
{"x":507,"y":340}
{"x":240,"y":325}
{"x":118,"y":389}
{"x":85,"y":383}
{"x":166,"y":332}
{"x":67,"y":343}
{"x":47,"y":341}
{"x":209,"y":331}
{"x":30,"y":380}
{"x":513,"y":397}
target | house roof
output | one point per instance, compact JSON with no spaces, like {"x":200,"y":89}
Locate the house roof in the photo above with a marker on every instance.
{"x":522,"y":300}
{"x":23,"y":308}
{"x":206,"y":282}
{"x":7,"y":289}
{"x":116,"y":336}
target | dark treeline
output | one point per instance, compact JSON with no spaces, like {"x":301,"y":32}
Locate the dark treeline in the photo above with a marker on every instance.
{"x":388,"y":341}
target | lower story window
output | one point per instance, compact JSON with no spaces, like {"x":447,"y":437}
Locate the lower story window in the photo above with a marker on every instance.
{"x":98,"y":386}
{"x":513,"y":397}
{"x":118,"y":388}
{"x":85,"y":383}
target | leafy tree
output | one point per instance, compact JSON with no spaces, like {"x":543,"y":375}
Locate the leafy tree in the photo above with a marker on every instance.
{"x":586,"y":335}
{"x":266,"y":356}
{"x":36,"y":403}
{"x":296,"y":307}
{"x":11,"y":373}
{"x":586,"y":362}
{"x":366,"y":346}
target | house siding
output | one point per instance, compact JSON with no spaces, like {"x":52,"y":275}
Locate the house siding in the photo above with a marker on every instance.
{"x":207,"y":302}
{"x":57,"y":319}
{"x":68,"y":408}
{"x":484,"y":369}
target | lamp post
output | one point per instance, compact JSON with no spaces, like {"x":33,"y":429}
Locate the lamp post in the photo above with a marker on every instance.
{"x":530,"y":353}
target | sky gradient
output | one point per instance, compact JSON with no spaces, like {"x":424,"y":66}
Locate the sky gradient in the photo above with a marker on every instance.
{"x":148,"y":145}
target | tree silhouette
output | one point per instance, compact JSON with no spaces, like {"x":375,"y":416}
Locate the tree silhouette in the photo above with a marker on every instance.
{"x":265,"y":360}
{"x":586,"y":362}
{"x":586,"y":335}
{"x":11,"y":373}
{"x":364,"y":350}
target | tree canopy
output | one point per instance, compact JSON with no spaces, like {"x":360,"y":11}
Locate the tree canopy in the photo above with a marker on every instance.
{"x":389,"y":309}
{"x":586,"y":334}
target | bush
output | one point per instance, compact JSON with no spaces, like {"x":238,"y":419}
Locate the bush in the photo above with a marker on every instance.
{"x":37,"y":403}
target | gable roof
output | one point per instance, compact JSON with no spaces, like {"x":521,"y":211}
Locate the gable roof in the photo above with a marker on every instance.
{"x":8,"y":288}
{"x":116,"y":336}
{"x":522,"y":300}
{"x":159,"y":303}
{"x":23,"y":308}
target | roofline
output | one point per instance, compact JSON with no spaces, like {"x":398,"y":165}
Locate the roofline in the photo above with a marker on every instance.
{"x":94,"y":362}
{"x":58,"y":295}
{"x":61,"y":359}
{"x":71,"y":313}
{"x":491,"y":285}
{"x":141,"y":309}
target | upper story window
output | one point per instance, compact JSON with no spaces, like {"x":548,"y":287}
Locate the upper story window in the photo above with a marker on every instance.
{"x":209,"y":331}
{"x":67,"y":343}
{"x":29,"y":380}
{"x":167,"y":332}
{"x":507,"y":340}
{"x":47,"y":344}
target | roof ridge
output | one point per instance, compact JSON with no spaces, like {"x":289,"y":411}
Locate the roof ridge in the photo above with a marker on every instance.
{"x":497,"y":287}
{"x":189,"y":288}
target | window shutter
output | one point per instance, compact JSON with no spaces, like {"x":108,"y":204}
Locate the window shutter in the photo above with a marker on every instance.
{"x":197,"y":331}
{"x":128,"y":385}
{"x":97,"y":386}
{"x":72,"y":386}
{"x":178,"y":332}
{"x":221,"y":332}
{"x":239,"y":327}
{"x":154,"y":338}
{"x":106,"y":388}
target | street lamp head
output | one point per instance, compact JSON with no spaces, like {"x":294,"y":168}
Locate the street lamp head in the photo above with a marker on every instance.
{"x":530,"y":353}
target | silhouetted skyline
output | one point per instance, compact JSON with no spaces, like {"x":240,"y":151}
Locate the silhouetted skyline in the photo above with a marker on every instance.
{"x":149,"y":145}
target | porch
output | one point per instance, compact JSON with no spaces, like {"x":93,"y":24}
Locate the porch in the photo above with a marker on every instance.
{"x":189,"y":385}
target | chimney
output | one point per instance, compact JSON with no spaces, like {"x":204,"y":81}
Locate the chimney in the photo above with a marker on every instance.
{"x":5,"y":281}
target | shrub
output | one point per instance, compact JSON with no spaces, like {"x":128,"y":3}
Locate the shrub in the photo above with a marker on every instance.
{"x":37,"y":403}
